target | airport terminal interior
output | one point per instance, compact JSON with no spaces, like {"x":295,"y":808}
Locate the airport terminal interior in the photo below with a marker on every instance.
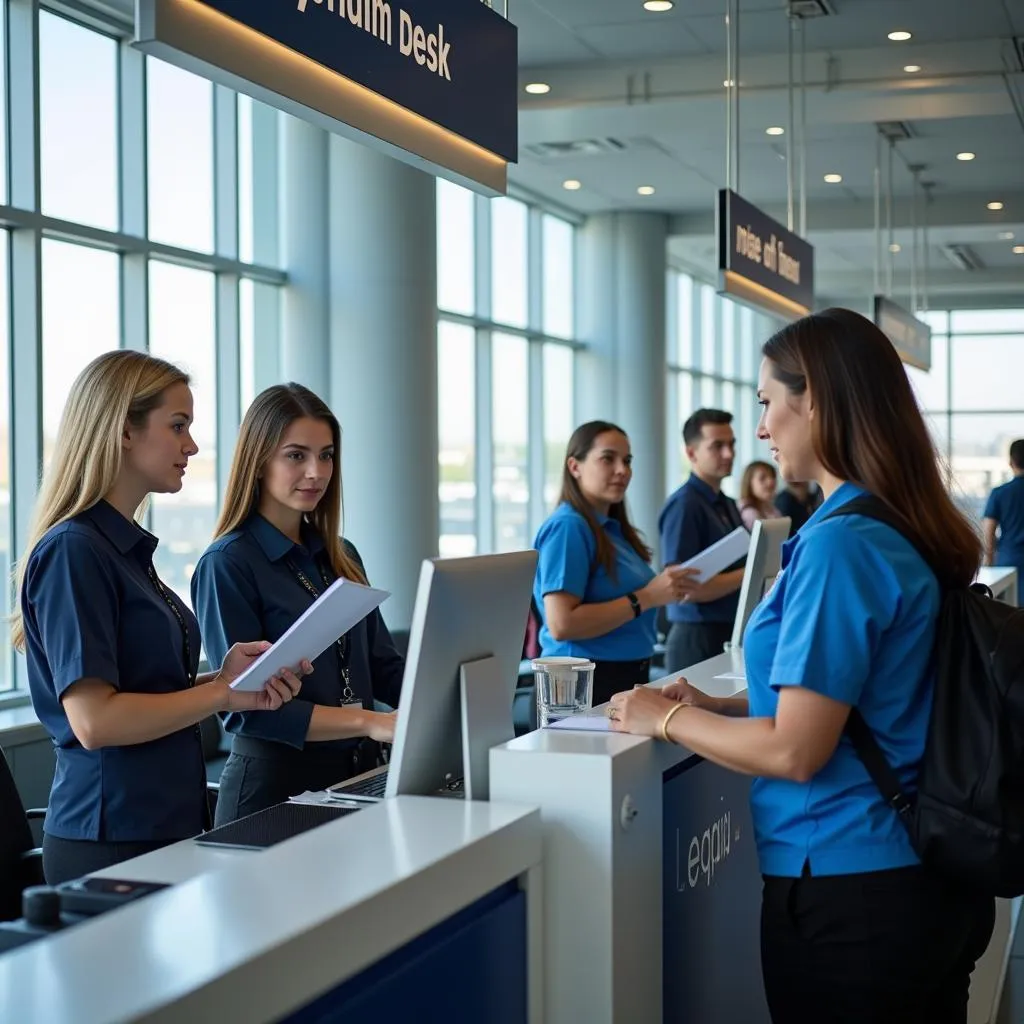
{"x":461,"y":335}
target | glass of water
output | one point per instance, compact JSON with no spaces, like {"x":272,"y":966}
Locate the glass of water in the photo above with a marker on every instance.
{"x":564,"y":687}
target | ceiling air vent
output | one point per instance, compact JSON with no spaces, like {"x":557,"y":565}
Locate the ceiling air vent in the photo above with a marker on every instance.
{"x":575,"y":148}
{"x":809,"y":9}
{"x":963,"y":257}
{"x":895,"y":131}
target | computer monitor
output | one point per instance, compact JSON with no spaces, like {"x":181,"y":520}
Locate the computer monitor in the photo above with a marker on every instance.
{"x":467,"y":610}
{"x":764,"y":561}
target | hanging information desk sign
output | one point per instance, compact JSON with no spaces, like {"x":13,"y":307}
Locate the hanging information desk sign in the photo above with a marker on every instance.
{"x":911,"y":338}
{"x":431,"y":82}
{"x":760,"y":262}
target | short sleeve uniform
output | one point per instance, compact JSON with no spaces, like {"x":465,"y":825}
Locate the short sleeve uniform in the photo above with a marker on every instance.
{"x":852,"y":616}
{"x":92,"y":611}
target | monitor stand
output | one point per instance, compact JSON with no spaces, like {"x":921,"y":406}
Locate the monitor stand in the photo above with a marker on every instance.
{"x":486,"y":722}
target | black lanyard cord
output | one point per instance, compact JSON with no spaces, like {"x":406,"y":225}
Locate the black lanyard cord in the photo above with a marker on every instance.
{"x":186,"y":644}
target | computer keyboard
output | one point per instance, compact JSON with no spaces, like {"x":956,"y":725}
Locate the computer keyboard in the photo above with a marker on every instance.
{"x":372,"y":785}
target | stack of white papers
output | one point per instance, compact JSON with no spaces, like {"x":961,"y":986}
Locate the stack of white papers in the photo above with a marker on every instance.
{"x":341,"y":606}
{"x":720,"y":555}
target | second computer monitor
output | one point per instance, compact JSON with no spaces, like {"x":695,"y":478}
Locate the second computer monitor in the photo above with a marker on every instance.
{"x":467,"y":610}
{"x":764,"y":561}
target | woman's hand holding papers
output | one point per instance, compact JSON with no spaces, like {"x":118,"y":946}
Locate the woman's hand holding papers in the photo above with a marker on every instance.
{"x":670,"y":585}
{"x":278,"y":690}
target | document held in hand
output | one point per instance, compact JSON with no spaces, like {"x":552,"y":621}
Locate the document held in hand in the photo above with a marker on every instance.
{"x":720,"y":555}
{"x":341,"y":606}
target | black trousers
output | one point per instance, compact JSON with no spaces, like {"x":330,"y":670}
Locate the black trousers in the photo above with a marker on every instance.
{"x":259,"y":774}
{"x":65,"y":859}
{"x":611,"y":677}
{"x":690,"y":643}
{"x":883,"y":947}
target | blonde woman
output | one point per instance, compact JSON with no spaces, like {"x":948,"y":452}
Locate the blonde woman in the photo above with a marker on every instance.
{"x":112,"y":653}
{"x":277,"y":546}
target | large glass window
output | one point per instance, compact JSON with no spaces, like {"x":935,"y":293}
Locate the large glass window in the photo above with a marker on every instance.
{"x":180,"y":164}
{"x":510,"y":418}
{"x":78,"y":122}
{"x":81,"y":320}
{"x":457,"y":439}
{"x":181,"y":306}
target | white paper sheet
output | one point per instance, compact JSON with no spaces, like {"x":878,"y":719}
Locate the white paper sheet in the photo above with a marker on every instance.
{"x":583,"y":723}
{"x":340,"y":607}
{"x":732,"y":675}
{"x":720,"y":555}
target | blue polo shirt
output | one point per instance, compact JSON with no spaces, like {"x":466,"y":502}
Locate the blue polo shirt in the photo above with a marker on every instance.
{"x":693,"y":518}
{"x":567,"y":553}
{"x":92,"y":612}
{"x":1006,"y":506}
{"x":852,"y":616}
{"x":244,"y":588}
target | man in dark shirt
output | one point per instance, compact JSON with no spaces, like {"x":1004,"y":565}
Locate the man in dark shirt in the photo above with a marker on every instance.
{"x":1005,"y":510}
{"x":798,"y":501}
{"x":694,"y":517}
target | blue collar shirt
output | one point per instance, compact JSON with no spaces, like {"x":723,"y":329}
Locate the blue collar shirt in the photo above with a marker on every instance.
{"x":567,"y":553}
{"x":246,"y":587}
{"x":693,"y":518}
{"x":851,"y":616}
{"x":91,"y":611}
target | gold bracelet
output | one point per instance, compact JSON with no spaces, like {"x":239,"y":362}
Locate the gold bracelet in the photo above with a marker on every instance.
{"x":668,"y":718}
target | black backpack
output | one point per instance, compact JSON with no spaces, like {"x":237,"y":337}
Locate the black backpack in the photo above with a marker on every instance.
{"x":967,"y":816}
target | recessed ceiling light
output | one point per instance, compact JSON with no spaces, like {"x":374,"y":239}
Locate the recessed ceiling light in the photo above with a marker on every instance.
{"x":1005,"y":236}
{"x":900,"y":36}
{"x":538,"y":88}
{"x":895,"y":247}
{"x":571,"y":185}
{"x":645,"y":190}
{"x":994,"y":206}
{"x":775,"y":131}
{"x":833,"y":179}
{"x":965,"y":156}
{"x":1019,"y":250}
{"x":912,"y":69}
{"x":658,"y":6}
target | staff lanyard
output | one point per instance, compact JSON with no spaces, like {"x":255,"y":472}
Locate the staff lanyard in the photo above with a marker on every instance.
{"x":348,"y":695}
{"x":186,"y":644}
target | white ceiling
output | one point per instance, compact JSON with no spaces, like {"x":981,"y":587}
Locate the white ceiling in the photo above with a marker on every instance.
{"x":653,"y":83}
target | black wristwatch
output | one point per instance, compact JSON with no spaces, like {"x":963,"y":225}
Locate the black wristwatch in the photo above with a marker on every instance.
{"x":634,"y":603}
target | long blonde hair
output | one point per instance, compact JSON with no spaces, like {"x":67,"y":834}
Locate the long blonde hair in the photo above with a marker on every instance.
{"x":269,"y":416}
{"x":115,"y":389}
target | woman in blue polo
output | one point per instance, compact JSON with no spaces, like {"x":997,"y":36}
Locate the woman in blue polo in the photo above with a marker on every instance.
{"x":854,"y":927}
{"x":277,"y":547}
{"x":594,"y":584}
{"x":112,"y":653}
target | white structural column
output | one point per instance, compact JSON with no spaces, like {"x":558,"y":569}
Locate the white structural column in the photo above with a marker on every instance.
{"x":304,"y":251}
{"x":621,"y":376}
{"x":383,"y":358}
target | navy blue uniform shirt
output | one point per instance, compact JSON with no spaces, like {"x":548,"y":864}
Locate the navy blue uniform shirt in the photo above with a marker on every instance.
{"x":92,"y":612}
{"x":244,"y":589}
{"x":1006,"y":506}
{"x":693,"y":519}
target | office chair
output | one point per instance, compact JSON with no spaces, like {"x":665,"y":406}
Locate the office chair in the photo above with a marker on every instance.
{"x":21,"y":862}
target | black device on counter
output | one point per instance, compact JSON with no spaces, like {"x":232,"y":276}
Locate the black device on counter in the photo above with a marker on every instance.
{"x":49,"y":909}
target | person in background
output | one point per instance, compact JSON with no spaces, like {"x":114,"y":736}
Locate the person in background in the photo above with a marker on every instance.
{"x":595,"y":586}
{"x":277,"y":547}
{"x":757,"y":493}
{"x":797,"y":500}
{"x":693,"y":518}
{"x":853,"y":927}
{"x":1005,"y":511}
{"x":112,"y":652}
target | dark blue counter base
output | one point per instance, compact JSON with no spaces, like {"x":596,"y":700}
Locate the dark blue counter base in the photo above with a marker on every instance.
{"x":467,"y":970}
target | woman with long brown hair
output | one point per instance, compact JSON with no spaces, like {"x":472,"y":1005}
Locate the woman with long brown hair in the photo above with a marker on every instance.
{"x":595,"y":584}
{"x":757,"y":493}
{"x":277,"y":546}
{"x":854,"y":928}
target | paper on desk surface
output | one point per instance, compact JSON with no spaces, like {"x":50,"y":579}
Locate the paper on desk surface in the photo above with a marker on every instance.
{"x":341,"y":606}
{"x":720,"y":555}
{"x":583,"y":723}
